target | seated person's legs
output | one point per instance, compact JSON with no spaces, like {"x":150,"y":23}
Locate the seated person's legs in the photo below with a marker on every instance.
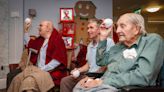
{"x":15,"y":83}
{"x":68,"y":83}
{"x":11,"y":75}
{"x":29,"y":85}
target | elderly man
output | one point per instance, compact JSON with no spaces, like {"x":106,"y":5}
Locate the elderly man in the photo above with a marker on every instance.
{"x":52,"y":52}
{"x":50,"y":57}
{"x":135,"y":60}
{"x":68,"y":83}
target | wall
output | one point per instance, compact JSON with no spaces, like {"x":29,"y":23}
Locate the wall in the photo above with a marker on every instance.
{"x":13,"y":13}
{"x":4,"y":41}
{"x":46,"y":9}
{"x":15,"y":30}
{"x":49,"y":9}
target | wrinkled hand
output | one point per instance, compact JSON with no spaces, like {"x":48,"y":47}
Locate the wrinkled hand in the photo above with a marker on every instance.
{"x":90,"y":83}
{"x":27,"y":26}
{"x":105,"y":32}
{"x":83,"y":81}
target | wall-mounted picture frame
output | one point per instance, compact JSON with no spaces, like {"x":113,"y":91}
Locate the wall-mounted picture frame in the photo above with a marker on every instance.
{"x":66,"y":15}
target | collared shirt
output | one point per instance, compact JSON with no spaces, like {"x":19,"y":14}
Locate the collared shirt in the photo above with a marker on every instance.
{"x":91,"y":55}
{"x":41,"y":61}
{"x":141,"y":70}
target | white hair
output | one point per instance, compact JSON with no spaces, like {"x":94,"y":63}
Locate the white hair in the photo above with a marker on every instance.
{"x":137,"y":20}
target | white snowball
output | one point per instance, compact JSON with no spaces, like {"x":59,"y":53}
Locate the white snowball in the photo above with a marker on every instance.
{"x":108,"y":22}
{"x":89,"y":80}
{"x":27,"y":20}
{"x":97,"y":79}
{"x":76,"y":73}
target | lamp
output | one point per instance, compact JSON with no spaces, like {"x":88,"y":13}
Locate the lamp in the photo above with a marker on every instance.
{"x":153,"y":9}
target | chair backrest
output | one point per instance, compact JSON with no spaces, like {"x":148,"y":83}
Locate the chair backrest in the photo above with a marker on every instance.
{"x":162,"y":76}
{"x":160,"y":79}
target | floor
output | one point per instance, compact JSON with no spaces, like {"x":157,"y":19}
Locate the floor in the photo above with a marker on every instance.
{"x":2,"y":90}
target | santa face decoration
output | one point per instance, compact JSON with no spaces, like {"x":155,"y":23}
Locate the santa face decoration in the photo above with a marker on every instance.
{"x":85,"y":9}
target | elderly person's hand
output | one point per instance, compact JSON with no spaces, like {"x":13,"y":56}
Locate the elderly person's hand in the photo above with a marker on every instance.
{"x":92,"y":83}
{"x":83,"y":81}
{"x":105,"y":29}
{"x":27,"y":24}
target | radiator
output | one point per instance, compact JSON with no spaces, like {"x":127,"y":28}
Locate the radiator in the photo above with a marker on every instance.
{"x":3,"y":83}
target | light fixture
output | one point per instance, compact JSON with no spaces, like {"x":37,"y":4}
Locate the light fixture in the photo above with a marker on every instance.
{"x":153,"y":9}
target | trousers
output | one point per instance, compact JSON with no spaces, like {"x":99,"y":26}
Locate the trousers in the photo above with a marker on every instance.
{"x":68,"y":83}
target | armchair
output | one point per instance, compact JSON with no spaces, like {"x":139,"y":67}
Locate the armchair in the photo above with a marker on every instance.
{"x":159,"y":87}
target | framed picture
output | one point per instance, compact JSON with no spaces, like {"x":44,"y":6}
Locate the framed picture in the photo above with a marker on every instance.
{"x":66,"y":15}
{"x":68,"y":41}
{"x":68,"y":33}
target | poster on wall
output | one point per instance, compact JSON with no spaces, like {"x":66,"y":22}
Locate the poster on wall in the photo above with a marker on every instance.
{"x":66,"y":15}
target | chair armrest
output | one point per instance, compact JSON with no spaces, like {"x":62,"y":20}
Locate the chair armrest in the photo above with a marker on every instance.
{"x":142,"y":89}
{"x":13,"y":66}
{"x":95,"y":75}
{"x":129,"y":88}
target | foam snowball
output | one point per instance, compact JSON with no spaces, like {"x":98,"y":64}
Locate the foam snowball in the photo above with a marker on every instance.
{"x":108,"y":22}
{"x":27,"y":20}
{"x":76,"y":73}
{"x":89,"y":80}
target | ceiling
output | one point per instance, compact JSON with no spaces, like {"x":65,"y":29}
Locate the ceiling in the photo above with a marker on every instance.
{"x":123,"y":6}
{"x":154,"y":21}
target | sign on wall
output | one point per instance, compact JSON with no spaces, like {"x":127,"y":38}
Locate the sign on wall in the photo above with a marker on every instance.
{"x":66,"y":15}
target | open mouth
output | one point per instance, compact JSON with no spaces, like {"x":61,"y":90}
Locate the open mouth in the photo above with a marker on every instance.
{"x":84,"y":15}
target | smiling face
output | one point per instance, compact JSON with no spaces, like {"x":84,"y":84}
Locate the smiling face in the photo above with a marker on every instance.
{"x":85,"y":9}
{"x":93,"y":30}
